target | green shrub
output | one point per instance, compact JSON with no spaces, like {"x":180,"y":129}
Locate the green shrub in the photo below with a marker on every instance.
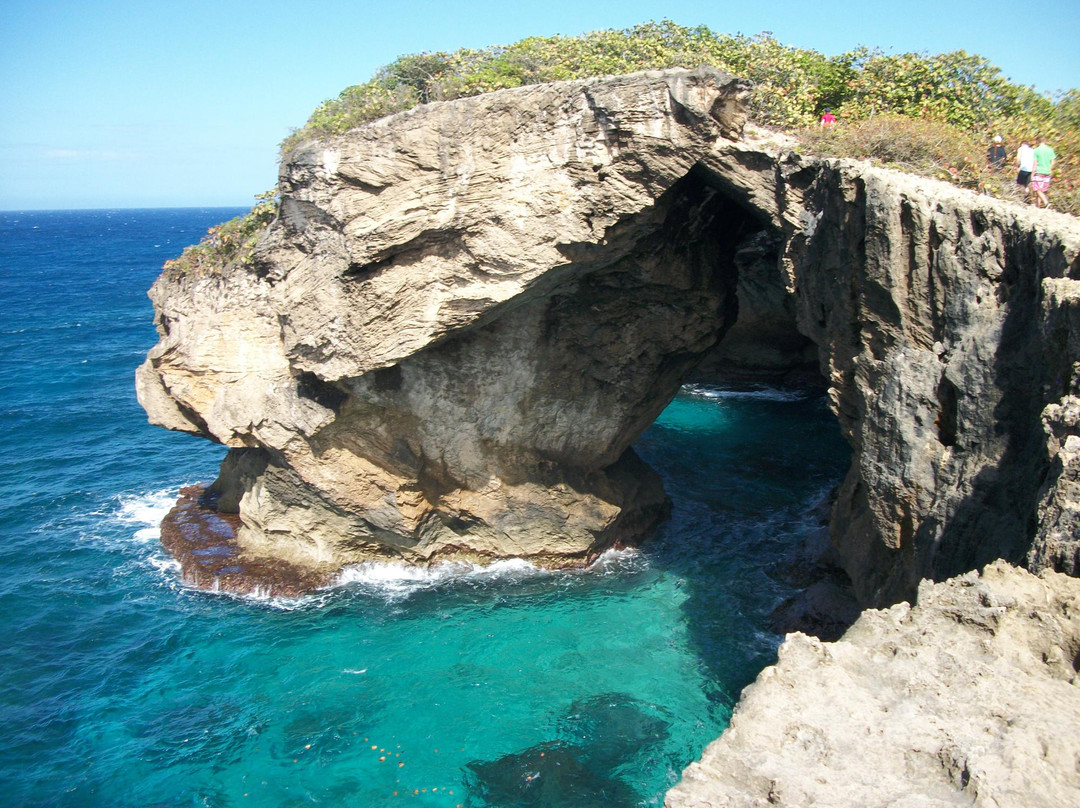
{"x":960,"y":88}
{"x":226,"y":245}
{"x":931,"y":114}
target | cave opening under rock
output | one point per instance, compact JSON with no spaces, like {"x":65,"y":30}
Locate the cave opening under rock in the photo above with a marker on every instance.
{"x":514,"y":436}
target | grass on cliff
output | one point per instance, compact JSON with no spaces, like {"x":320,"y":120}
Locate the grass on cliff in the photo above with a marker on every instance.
{"x":933,"y":148}
{"x":227,"y":244}
{"x":930,"y":114}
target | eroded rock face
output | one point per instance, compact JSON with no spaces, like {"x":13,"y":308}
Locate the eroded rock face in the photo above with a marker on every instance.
{"x":971,"y":697}
{"x":463,"y":318}
{"x":467,"y":313}
{"x":947,"y":328}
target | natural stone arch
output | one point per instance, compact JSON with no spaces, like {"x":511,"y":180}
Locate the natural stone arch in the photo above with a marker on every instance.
{"x":513,"y":436}
{"x":492,"y":411}
{"x":467,"y":312}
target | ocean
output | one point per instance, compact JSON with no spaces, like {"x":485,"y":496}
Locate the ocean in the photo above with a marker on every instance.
{"x":457,"y":686}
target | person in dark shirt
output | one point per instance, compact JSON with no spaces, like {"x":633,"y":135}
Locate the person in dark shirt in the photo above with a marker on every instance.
{"x":995,"y":155}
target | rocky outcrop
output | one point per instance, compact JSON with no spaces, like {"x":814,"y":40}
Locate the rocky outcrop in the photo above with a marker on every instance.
{"x":466,"y":313}
{"x":464,"y":317}
{"x":947,"y":328}
{"x":971,"y":697}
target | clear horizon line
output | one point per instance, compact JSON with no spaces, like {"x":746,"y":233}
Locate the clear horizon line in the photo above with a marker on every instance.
{"x":122,"y":207}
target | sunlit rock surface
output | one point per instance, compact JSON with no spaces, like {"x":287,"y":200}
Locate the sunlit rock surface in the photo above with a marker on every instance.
{"x":969,"y":698}
{"x":462,"y":320}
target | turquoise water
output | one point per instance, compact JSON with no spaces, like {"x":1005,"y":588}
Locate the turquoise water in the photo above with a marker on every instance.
{"x":507,"y":686}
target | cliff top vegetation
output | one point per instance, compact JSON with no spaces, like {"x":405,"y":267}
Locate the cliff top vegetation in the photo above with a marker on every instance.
{"x":791,"y":86}
{"x":932,"y":114}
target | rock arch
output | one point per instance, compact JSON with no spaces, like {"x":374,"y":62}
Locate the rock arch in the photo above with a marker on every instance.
{"x":466,"y":313}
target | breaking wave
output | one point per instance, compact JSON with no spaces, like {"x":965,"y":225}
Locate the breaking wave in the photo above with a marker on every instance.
{"x":395,"y":580}
{"x":144,"y":512}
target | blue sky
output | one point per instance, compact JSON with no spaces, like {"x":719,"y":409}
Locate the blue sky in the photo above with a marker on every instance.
{"x":112,"y":103}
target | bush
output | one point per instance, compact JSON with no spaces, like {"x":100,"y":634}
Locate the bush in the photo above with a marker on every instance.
{"x":917,"y":145}
{"x":226,"y":245}
{"x":959,"y":88}
{"x":932,"y":114}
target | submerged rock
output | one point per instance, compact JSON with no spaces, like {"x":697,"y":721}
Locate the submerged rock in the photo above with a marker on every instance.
{"x":549,"y":775}
{"x":825,"y":609}
{"x":585,"y":767}
{"x":971,"y":697}
{"x":612,"y":728}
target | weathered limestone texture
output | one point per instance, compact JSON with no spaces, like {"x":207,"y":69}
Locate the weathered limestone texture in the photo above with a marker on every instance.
{"x":969,"y":698}
{"x":461,"y":321}
{"x":948,"y":330}
{"x":465,"y":314}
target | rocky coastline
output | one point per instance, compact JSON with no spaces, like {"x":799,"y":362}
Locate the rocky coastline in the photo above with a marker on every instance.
{"x":970,"y":697}
{"x":465,"y":314}
{"x":202,"y":539}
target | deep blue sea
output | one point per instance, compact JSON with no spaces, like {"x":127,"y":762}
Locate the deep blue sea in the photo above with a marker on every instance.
{"x":509,"y":686}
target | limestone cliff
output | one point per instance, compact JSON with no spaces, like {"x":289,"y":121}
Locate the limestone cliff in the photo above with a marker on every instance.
{"x":969,"y":698}
{"x":947,"y":326}
{"x":466,"y":313}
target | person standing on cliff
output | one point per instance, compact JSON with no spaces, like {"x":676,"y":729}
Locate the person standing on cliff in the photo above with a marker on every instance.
{"x":1025,"y":159}
{"x":995,"y":155}
{"x":1040,"y":180}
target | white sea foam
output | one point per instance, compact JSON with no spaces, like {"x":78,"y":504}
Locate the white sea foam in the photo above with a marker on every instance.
{"x":758,"y":392}
{"x":396,"y":579}
{"x":165,"y":565}
{"x":613,"y":561}
{"x":126,"y":520}
{"x":145,"y":512}
{"x":397,"y":576}
{"x":139,"y":519}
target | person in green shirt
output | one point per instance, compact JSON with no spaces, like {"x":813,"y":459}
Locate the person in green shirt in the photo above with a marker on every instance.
{"x":1040,"y":180}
